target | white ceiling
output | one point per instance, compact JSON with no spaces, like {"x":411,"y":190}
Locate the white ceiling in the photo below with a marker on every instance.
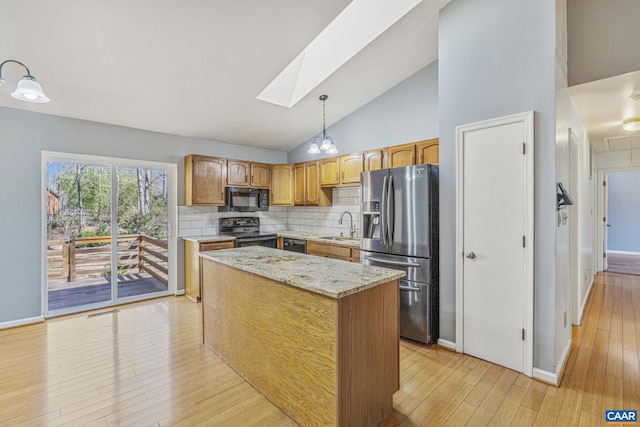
{"x":603,"y":106}
{"x":194,"y":67}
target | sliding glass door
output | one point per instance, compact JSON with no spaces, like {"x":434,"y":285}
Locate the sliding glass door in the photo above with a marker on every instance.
{"x":108,"y":225}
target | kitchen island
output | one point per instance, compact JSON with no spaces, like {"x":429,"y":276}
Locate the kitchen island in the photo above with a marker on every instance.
{"x":318,"y":337}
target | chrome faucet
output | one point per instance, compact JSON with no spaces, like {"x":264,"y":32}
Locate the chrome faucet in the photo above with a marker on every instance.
{"x":352,"y":229}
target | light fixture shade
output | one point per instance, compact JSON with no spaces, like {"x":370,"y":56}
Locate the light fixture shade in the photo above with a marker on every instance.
{"x":631,"y":125}
{"x":314,"y":149}
{"x":29,"y":90}
{"x":332,"y":149}
{"x":326,"y":143}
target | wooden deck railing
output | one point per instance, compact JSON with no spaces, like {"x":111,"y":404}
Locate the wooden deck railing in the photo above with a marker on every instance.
{"x":81,"y":258}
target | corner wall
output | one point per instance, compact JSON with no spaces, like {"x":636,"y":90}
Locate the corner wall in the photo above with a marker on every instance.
{"x":405,"y":113}
{"x":496,"y":58}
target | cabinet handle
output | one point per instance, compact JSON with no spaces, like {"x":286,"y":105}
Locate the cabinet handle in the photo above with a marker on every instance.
{"x":337,"y":176}
{"x":246,"y":177}
{"x":343,"y":175}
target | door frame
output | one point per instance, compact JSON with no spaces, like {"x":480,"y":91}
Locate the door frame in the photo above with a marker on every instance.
{"x":600,"y":224}
{"x":527,"y":118}
{"x":113,"y":162}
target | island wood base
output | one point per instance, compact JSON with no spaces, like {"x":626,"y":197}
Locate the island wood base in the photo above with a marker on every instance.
{"x":323,"y":361}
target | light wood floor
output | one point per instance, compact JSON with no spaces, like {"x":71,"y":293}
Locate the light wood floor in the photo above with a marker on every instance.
{"x":623,"y":263}
{"x":145,"y":366}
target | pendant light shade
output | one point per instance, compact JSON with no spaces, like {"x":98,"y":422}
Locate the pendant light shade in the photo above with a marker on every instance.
{"x":28,"y":89}
{"x":323,"y":142}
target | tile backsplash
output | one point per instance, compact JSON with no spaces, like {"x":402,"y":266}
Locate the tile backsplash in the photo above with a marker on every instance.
{"x":203,"y":220}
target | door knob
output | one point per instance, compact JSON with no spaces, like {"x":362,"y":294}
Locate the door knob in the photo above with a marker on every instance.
{"x":471,"y":255}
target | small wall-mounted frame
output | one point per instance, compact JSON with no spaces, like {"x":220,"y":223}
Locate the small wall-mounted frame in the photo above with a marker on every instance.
{"x":564,"y":199}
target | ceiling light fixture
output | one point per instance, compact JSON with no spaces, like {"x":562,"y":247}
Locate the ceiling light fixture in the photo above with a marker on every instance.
{"x":631,"y":125}
{"x":28,"y":89}
{"x":326,"y":142}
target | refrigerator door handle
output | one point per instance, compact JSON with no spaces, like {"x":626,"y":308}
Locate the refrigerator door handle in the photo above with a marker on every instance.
{"x":409,"y":288}
{"x":383,"y":212}
{"x":390,"y":262}
{"x":391,"y":214}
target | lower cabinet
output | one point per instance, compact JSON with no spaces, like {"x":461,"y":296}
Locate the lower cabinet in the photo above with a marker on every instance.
{"x":336,"y":251}
{"x":193,"y":264}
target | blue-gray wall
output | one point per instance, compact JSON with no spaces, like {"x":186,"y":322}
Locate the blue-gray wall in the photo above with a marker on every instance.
{"x":408,"y":112}
{"x":23,"y":136}
{"x":496,"y":58}
{"x":623,"y":197}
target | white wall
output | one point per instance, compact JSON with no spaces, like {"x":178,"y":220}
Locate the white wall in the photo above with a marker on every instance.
{"x":23,"y":136}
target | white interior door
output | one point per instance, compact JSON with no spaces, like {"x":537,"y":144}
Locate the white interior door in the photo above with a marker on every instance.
{"x":494,"y":241}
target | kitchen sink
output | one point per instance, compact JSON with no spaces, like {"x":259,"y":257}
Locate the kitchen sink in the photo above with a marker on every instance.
{"x":339,"y":238}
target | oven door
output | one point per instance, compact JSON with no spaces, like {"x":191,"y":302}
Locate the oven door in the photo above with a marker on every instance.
{"x":268,"y":241}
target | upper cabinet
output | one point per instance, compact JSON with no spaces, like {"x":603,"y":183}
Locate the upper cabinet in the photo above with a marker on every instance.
{"x":247,"y":174}
{"x":330,"y":171}
{"x":401,"y":155}
{"x":428,"y":151}
{"x":260,"y":175}
{"x":307,"y":190}
{"x":237,"y":173}
{"x":350,"y":168}
{"x":282,"y":185}
{"x":374,"y":160}
{"x":205,"y":180}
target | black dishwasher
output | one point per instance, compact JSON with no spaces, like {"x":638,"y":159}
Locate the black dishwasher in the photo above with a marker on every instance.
{"x":295,"y":245}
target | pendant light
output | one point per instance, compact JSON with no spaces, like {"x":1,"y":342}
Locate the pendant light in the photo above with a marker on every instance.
{"x":28,"y":90}
{"x":323,"y":142}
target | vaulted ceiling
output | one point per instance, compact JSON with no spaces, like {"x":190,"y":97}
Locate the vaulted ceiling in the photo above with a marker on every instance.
{"x":195,"y":67}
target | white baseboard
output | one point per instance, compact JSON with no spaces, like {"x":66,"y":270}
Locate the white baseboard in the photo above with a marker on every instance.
{"x":22,"y":322}
{"x":179,"y":292}
{"x":554,"y":378}
{"x":447,"y":344}
{"x":623,"y":252}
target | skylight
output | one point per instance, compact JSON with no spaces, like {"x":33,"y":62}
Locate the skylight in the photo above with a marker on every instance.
{"x":350,"y":32}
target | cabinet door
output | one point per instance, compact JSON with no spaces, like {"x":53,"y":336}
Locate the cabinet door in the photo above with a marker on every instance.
{"x":350,"y":167}
{"x":260,"y":175}
{"x":316,"y":195}
{"x":401,"y":155}
{"x":330,"y":171}
{"x":373,"y":160}
{"x":299,"y":184}
{"x":237,"y":173}
{"x":328,"y":251}
{"x":205,"y":179}
{"x":282,"y":185}
{"x":428,"y":151}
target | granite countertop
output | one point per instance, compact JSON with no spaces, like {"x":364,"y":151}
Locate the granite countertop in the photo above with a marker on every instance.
{"x":326,"y":276}
{"x":207,"y":239}
{"x":302,"y":235}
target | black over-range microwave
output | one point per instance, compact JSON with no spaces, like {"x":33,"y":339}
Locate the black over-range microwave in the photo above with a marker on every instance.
{"x":244,"y":199}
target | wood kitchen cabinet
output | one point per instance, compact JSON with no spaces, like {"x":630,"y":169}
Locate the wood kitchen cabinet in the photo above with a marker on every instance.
{"x":238,"y":173}
{"x":334,"y":251}
{"x":351,"y":166}
{"x":248,"y":174}
{"x":205,"y":180}
{"x":282,"y":185}
{"x":428,"y":151}
{"x":374,"y":160}
{"x":401,"y":155}
{"x":193,"y":264}
{"x":330,"y":171}
{"x":307,"y":190}
{"x":260,"y":175}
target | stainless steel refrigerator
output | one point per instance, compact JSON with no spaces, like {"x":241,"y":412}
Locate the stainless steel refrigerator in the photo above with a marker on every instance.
{"x":400,"y":230}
